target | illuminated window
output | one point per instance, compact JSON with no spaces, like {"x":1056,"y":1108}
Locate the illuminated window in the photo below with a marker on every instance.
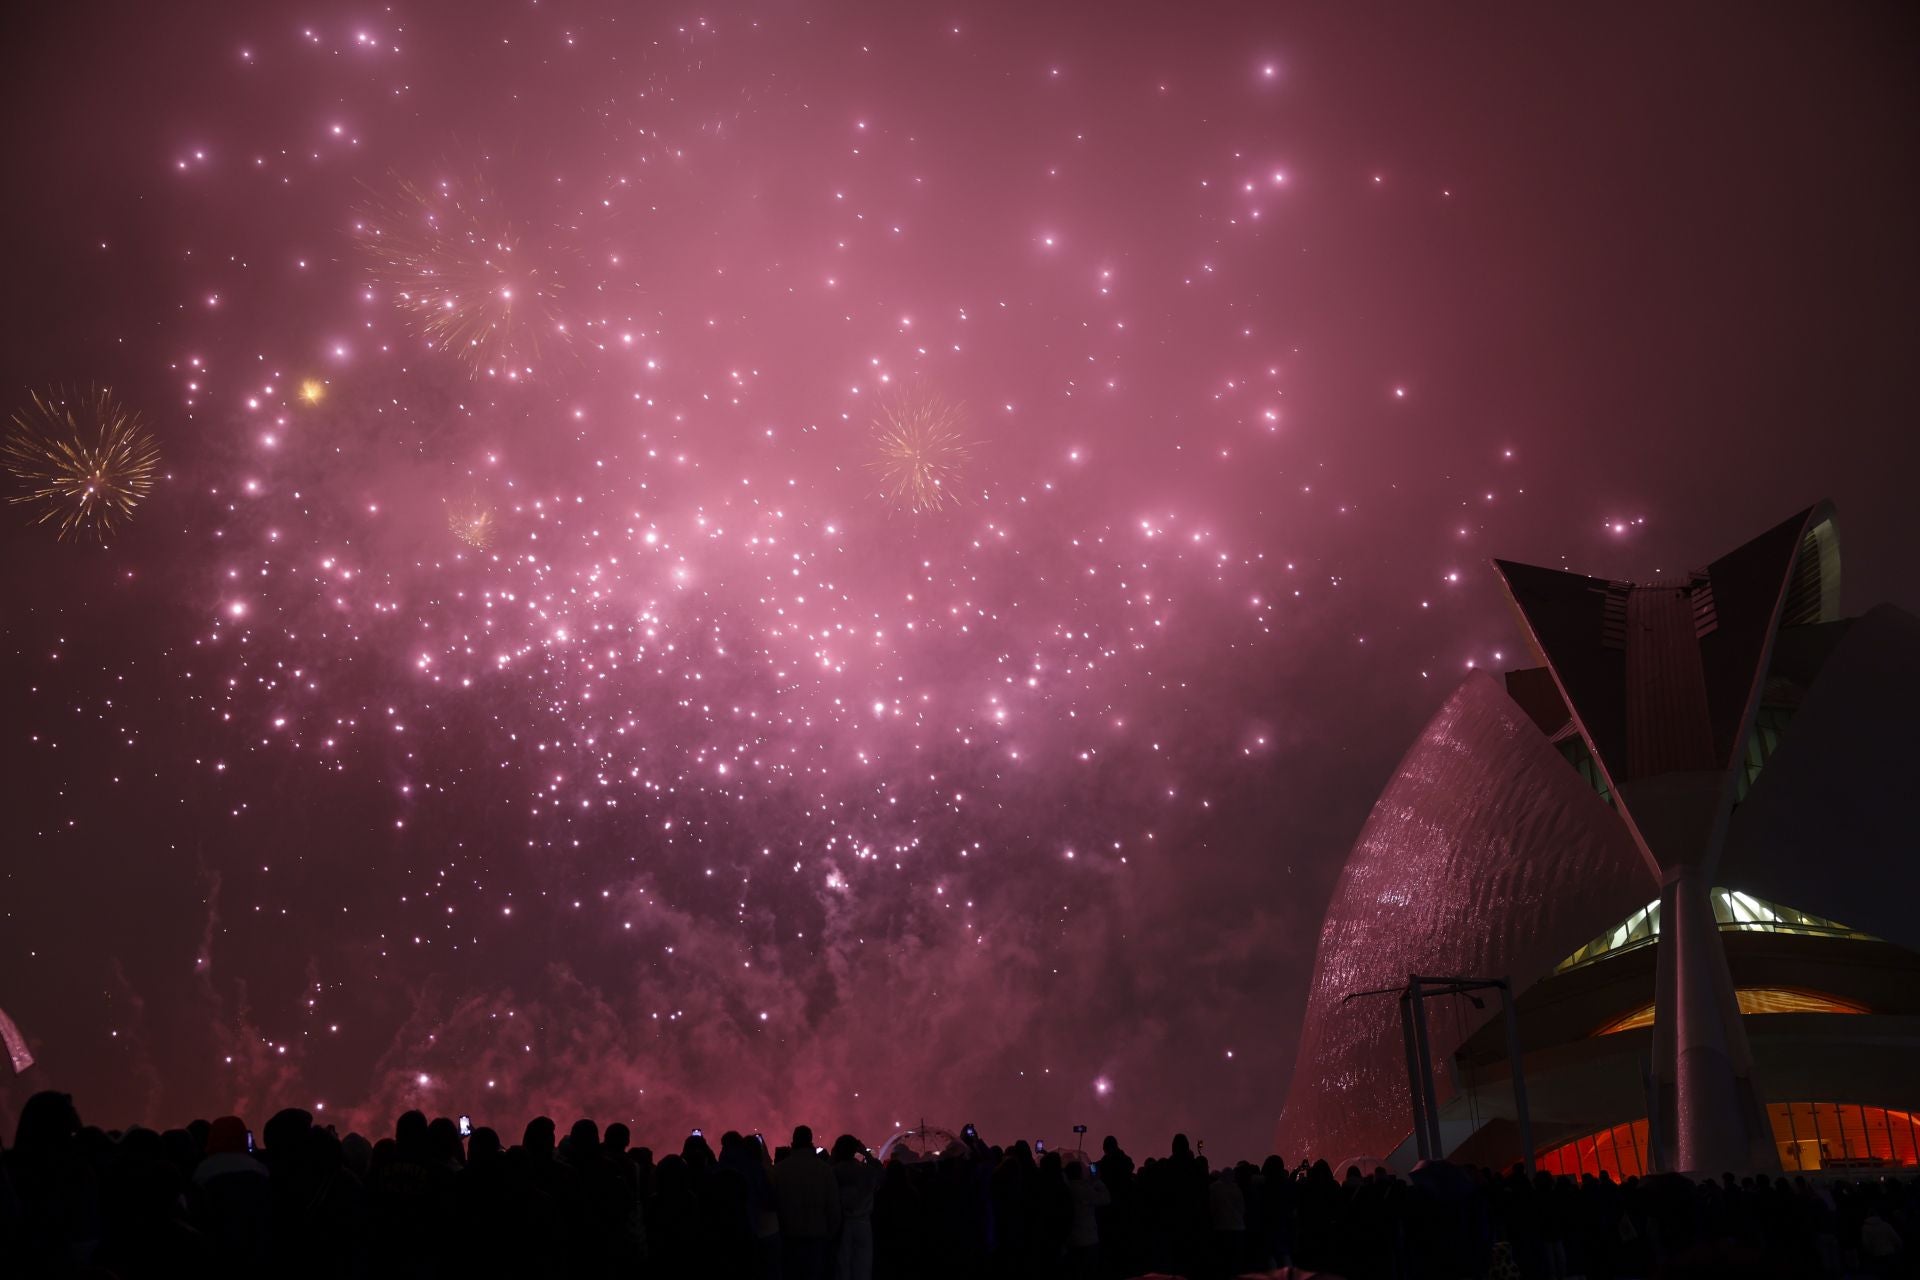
{"x":1810,"y":1136}
{"x":1843,"y":1135}
{"x":1754,"y":1000}
{"x":1619,"y":1150}
{"x":1736,"y":911}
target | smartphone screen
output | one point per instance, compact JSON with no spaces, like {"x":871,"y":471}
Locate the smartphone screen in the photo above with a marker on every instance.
{"x":466,"y":1126}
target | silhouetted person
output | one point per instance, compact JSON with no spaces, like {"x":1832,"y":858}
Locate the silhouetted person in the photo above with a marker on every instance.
{"x":145,"y":1233}
{"x":442,"y":1151}
{"x":723,"y":1214}
{"x":622,"y":1204}
{"x":858,"y":1179}
{"x":53,"y":1185}
{"x":283,"y":1150}
{"x":231,"y":1200}
{"x":672,"y":1213}
{"x":410,"y":1136}
{"x":901,"y":1229}
{"x":285,"y":1136}
{"x":1052,"y":1216}
{"x":1116,"y":1166}
{"x":77,"y":1200}
{"x":745,"y":1160}
{"x":809,"y":1204}
{"x":357,"y":1153}
{"x":1088,"y":1195}
{"x":1227,"y":1218}
{"x":407,"y":1199}
{"x":698,"y":1155}
{"x":1881,"y":1247}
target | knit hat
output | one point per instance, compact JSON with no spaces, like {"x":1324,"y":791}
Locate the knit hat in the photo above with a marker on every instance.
{"x":228,"y":1135}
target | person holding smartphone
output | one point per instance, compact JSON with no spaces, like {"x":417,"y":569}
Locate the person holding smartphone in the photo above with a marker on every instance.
{"x":747,"y":1159}
{"x":858,"y":1177}
{"x":229,"y":1195}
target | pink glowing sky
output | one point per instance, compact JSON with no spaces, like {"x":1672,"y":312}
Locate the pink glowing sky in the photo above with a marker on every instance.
{"x":715,"y":790}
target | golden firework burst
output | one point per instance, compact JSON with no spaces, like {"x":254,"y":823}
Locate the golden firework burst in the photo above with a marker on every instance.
{"x":471,"y":520}
{"x":921,"y":452}
{"x":474,"y":285}
{"x":83,"y":460}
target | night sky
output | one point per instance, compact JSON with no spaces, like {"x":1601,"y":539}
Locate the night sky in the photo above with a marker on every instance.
{"x":842,"y":563}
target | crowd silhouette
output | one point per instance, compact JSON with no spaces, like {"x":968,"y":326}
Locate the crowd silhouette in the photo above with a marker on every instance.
{"x":427,"y":1202}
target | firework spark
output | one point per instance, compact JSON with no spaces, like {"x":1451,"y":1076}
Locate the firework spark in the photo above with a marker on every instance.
{"x":921,"y":452}
{"x":471,"y":520}
{"x":474,"y":285}
{"x":17,"y":1051}
{"x":85,"y":462}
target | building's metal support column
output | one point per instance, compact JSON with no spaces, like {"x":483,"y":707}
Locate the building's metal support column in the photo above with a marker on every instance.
{"x":1709,"y":1118}
{"x":1430,"y":1103}
{"x":1413,"y":1078}
{"x":1520,"y":1112}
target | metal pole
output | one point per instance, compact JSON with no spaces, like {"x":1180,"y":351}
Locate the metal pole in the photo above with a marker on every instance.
{"x":1431,"y":1104}
{"x":1519,"y":1076}
{"x":1653,"y":1161}
{"x":1413,"y":1076}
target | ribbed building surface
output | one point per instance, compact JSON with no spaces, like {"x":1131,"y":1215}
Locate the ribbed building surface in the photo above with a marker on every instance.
{"x":1486,"y":854}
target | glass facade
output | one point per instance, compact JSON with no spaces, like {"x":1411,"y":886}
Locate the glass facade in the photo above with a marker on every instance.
{"x":1811,"y":1136}
{"x":1754,"y":1000}
{"x":1619,"y":1150}
{"x":1843,"y":1135}
{"x":1573,"y":748}
{"x":1736,"y":911}
{"x":1769,"y":722}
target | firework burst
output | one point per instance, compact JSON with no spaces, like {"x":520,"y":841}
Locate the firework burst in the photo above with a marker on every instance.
{"x":471,"y":520}
{"x":921,"y":452}
{"x":84,"y":462}
{"x":475,"y":286}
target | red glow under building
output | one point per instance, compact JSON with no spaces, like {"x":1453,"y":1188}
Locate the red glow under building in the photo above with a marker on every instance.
{"x":1686,"y":838}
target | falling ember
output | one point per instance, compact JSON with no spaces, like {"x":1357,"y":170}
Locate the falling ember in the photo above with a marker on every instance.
{"x":471,"y":520}
{"x":17,"y":1051}
{"x":84,"y":463}
{"x":473,"y":284}
{"x":921,"y":452}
